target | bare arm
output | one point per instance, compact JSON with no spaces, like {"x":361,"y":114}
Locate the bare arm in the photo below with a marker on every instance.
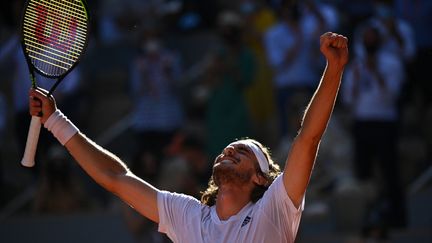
{"x":301,"y":158}
{"x":104,"y":167}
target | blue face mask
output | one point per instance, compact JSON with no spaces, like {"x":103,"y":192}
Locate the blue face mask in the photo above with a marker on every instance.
{"x":383,"y":11}
{"x":247,"y":7}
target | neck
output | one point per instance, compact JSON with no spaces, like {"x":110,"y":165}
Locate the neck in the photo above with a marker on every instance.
{"x":230,"y":200}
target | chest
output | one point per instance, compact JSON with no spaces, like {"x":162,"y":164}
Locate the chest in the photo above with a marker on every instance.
{"x":246,"y":228}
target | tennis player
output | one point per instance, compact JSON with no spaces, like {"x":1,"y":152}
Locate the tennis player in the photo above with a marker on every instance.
{"x":248,"y":199}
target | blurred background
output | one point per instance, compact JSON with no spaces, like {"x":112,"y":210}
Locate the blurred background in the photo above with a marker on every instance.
{"x":167,"y":84}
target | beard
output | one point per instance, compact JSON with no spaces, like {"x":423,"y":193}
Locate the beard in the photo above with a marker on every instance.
{"x":228,"y":175}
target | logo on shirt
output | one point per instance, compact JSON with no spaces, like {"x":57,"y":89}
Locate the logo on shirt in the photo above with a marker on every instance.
{"x":246,"y":221}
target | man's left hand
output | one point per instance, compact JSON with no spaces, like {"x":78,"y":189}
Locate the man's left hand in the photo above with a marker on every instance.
{"x":335,"y":48}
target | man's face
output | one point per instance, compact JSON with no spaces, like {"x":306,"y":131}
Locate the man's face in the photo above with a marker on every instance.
{"x":371,"y":40}
{"x":236,"y":164}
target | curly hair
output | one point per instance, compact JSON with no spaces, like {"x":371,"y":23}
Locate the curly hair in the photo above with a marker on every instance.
{"x":208,"y":196}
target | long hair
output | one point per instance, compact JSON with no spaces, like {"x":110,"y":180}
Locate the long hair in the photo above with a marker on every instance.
{"x":208,"y":197}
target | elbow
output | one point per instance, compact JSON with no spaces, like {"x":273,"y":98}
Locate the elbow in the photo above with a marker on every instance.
{"x":111,"y":180}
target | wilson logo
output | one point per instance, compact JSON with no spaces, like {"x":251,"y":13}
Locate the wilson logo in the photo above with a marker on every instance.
{"x":50,"y":35}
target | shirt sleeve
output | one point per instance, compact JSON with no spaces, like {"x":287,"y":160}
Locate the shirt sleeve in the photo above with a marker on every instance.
{"x":278,"y":208}
{"x":176,"y":213}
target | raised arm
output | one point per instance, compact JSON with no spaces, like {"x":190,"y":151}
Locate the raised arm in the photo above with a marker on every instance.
{"x":103,"y":166}
{"x":301,"y":158}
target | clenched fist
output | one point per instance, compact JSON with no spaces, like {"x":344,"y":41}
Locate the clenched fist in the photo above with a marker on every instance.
{"x":40,"y":104}
{"x":335,"y":48}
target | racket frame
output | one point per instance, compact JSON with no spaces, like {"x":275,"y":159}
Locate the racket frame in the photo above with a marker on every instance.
{"x":31,"y":66}
{"x":35,"y":124}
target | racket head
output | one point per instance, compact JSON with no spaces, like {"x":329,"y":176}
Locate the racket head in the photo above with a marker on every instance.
{"x":54,"y":35}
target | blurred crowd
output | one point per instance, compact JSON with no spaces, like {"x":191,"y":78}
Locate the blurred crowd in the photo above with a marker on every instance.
{"x":187,"y":77}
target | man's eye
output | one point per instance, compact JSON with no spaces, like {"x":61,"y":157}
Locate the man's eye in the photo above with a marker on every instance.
{"x":242,"y":151}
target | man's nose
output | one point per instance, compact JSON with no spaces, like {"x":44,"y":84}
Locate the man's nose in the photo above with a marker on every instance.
{"x":229,"y":150}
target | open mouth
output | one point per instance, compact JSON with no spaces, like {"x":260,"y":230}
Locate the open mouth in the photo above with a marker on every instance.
{"x":226,"y":160}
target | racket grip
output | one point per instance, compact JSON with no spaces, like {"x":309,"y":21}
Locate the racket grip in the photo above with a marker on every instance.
{"x":28,"y":159}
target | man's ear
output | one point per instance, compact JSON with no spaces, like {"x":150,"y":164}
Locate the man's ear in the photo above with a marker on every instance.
{"x":259,"y":179}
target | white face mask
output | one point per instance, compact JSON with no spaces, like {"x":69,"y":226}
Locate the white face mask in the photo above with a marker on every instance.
{"x":151,"y":46}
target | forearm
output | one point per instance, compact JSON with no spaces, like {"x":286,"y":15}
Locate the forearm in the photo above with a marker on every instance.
{"x":320,"y":108}
{"x":112,"y":174}
{"x":99,"y":163}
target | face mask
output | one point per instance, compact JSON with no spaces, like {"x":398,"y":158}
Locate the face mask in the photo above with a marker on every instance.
{"x":372,"y":40}
{"x":371,"y":48}
{"x":247,"y":7}
{"x":151,"y":46}
{"x":231,"y":35}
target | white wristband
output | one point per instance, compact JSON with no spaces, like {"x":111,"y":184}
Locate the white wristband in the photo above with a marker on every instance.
{"x":61,"y":127}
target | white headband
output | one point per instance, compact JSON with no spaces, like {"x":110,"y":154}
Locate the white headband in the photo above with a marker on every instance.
{"x":262,"y":160}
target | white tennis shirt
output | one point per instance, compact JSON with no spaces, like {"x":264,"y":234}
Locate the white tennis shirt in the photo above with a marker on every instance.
{"x":272,"y":219}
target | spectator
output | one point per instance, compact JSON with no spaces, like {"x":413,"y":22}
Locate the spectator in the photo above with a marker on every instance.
{"x":397,"y":34}
{"x":157,"y":111}
{"x":418,"y":14}
{"x":230,"y":73}
{"x":292,"y":53}
{"x":371,"y":89}
{"x":260,"y":95}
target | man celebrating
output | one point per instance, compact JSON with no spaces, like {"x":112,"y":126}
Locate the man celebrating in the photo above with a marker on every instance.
{"x":248,"y":199}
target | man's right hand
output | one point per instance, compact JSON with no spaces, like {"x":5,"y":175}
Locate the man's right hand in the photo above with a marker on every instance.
{"x":41,"y":105}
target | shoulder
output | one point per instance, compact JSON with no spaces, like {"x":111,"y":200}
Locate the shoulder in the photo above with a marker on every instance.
{"x":277,"y":196}
{"x":163,"y":195}
{"x":178,"y":201}
{"x":180,"y":215}
{"x":275,"y":191}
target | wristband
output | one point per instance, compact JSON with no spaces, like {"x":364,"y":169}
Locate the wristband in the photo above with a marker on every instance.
{"x":61,"y":127}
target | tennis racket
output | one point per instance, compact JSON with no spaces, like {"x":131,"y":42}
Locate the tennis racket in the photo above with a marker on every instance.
{"x":54,"y":35}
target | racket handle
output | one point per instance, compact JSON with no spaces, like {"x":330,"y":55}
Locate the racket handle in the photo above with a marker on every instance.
{"x":28,"y":159}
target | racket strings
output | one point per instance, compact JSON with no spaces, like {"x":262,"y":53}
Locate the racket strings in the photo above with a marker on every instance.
{"x":32,"y":17}
{"x":60,"y":47}
{"x":70,"y":57}
{"x":66,"y":7}
{"x":41,"y":7}
{"x":54,"y":34}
